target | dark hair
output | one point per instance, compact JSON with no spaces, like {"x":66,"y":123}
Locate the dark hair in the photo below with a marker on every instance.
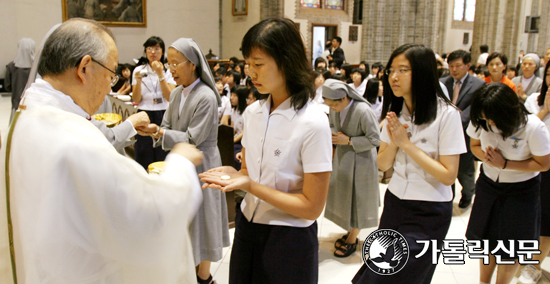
{"x":230,"y":67}
{"x":378,"y":65}
{"x":220,"y":72}
{"x":280,"y":39}
{"x":255,"y":93}
{"x":333,"y":64}
{"x":241,"y":65}
{"x":338,"y":39}
{"x":217,"y":79}
{"x":512,"y":69}
{"x":340,"y":77}
{"x":425,"y":86}
{"x":319,"y":60}
{"x":443,"y":72}
{"x":472,"y":68}
{"x":544,"y":87}
{"x":249,"y":83}
{"x":494,"y":55}
{"x":70,"y":42}
{"x":499,"y":103}
{"x":483,"y":69}
{"x":236,"y":76}
{"x":327,"y":75}
{"x":360,"y":71}
{"x":242,"y":93}
{"x":347,"y":70}
{"x":484,"y":48}
{"x":235,"y":60}
{"x":460,"y":54}
{"x":371,"y":90}
{"x":367,"y":67}
{"x":152,"y":41}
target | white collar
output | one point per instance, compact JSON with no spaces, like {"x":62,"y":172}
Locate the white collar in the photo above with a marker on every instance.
{"x":188,"y":89}
{"x":42,"y":87}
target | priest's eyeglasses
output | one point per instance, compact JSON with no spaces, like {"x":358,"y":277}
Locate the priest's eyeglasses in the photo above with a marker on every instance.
{"x":113,"y":80}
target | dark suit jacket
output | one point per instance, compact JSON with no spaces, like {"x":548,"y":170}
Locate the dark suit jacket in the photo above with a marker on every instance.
{"x":470,"y":85}
{"x":337,"y":56}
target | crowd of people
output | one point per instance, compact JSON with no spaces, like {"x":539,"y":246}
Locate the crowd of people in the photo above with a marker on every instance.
{"x":305,"y":141}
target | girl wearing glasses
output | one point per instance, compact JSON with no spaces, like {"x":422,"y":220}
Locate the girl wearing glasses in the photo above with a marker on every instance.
{"x":151,"y":87}
{"x":420,"y":141}
{"x":514,"y":146}
{"x":192,"y":117}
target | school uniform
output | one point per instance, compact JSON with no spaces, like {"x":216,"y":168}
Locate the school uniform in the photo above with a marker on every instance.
{"x":416,"y":204}
{"x":502,"y":193}
{"x":272,"y":246}
{"x":154,"y":104}
{"x":532,"y":105}
{"x":238,"y":123}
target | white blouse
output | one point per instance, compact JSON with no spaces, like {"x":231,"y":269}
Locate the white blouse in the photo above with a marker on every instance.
{"x":440,"y":137}
{"x":531,"y":139}
{"x":150,"y":88}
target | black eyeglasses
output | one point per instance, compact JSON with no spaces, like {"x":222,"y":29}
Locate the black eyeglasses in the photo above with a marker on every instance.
{"x":115,"y":79}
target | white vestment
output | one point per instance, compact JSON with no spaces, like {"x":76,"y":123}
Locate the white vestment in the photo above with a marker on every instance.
{"x":82,"y":213}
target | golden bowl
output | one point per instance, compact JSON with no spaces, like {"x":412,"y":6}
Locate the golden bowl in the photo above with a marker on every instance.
{"x":110,"y":119}
{"x":155,"y":168}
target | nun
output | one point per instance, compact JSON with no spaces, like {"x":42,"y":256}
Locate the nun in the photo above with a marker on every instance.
{"x":529,"y":82}
{"x":17,"y":71}
{"x":192,"y":117}
{"x":353,"y":198}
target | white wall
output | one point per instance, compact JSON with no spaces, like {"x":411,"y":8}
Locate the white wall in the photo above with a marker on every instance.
{"x":454,"y":37}
{"x":352,"y":49}
{"x":235,"y":27}
{"x":169,"y":19}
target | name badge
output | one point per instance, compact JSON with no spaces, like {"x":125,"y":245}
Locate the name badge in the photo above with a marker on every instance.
{"x":157,"y":101}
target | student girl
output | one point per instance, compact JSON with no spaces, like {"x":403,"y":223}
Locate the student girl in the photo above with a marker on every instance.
{"x":420,"y":141}
{"x":514,"y":147}
{"x":286,"y":163}
{"x":152,"y":84}
{"x":539,"y":104}
{"x":239,"y":95}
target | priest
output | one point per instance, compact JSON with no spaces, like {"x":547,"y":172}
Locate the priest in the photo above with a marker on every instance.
{"x":73,"y":210}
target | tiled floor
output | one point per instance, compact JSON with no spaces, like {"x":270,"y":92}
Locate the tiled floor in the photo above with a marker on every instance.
{"x":336,"y":270}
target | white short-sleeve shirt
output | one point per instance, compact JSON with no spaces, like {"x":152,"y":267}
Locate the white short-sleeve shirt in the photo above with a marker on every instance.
{"x":225,"y":108}
{"x":237,"y":120}
{"x":440,"y":137}
{"x":532,"y":139}
{"x":280,"y":148}
{"x":150,"y":88}
{"x":532,"y":105}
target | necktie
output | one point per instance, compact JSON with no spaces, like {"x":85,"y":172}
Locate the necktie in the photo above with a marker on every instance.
{"x":456,"y":91}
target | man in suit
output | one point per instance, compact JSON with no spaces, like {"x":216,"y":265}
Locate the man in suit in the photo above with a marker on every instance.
{"x":336,"y":52}
{"x":461,"y":87}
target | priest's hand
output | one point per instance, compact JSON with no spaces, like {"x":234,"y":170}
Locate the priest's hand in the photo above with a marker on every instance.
{"x":340,"y":139}
{"x":188,"y":151}
{"x":147,"y":130}
{"x":139,"y":120}
{"x":225,"y":179}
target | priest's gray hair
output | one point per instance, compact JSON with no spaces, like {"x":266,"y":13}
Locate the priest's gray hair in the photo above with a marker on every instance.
{"x":70,"y":42}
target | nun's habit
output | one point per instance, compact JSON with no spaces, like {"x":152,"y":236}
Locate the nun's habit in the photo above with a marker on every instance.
{"x":197,"y":124}
{"x":353,"y":197}
{"x":535,"y":84}
{"x":17,"y":72}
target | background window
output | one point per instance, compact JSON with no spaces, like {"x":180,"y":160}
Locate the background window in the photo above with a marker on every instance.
{"x":334,"y":4}
{"x":311,"y":3}
{"x":464,"y":10}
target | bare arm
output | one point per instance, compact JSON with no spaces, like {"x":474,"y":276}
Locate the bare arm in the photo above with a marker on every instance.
{"x":308,"y":205}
